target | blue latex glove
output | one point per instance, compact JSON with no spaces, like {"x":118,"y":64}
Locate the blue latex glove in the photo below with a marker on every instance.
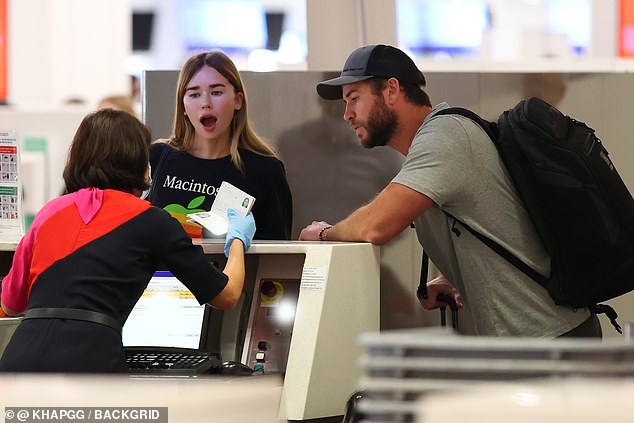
{"x":242,"y":228}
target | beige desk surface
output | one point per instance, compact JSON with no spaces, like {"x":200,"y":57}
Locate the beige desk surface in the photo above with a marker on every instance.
{"x":206,"y":399}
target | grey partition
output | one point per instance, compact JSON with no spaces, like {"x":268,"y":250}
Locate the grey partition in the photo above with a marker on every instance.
{"x":330,"y":174}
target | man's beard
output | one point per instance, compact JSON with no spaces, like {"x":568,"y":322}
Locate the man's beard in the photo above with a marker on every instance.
{"x":381,"y":125}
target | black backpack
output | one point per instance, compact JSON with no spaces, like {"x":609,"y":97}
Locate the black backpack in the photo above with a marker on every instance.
{"x":577,"y":201}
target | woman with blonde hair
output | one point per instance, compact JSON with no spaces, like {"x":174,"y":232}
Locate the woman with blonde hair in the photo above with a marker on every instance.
{"x":212,"y":141}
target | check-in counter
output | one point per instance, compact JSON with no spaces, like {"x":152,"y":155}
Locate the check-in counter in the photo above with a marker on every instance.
{"x":336,"y":295}
{"x":304,"y":306}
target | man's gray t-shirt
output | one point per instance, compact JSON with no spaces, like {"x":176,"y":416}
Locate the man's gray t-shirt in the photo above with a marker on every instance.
{"x":453,"y":162}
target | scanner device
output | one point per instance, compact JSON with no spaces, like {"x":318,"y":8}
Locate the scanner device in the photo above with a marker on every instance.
{"x":235,"y":368}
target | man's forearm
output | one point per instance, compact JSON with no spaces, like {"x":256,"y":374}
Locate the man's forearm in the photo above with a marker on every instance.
{"x":358,"y":226}
{"x":378,"y":222}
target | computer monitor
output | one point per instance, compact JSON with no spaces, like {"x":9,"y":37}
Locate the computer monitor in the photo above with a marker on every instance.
{"x":454,"y":27}
{"x":142,"y":28}
{"x":166,"y":315}
{"x":572,"y":18}
{"x":209,"y":25}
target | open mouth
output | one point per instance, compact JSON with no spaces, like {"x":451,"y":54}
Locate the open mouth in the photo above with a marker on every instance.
{"x":208,"y":121}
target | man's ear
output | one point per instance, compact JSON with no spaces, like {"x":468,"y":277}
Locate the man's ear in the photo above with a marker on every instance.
{"x":393,"y":88}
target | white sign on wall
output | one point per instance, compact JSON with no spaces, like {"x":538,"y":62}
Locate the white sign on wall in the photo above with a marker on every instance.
{"x":11,"y":219}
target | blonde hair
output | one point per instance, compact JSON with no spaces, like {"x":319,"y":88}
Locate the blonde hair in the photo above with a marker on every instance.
{"x":242,"y":134}
{"x":118,"y":102}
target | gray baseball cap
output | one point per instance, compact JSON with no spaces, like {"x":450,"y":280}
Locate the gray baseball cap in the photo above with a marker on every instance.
{"x":372,"y":61}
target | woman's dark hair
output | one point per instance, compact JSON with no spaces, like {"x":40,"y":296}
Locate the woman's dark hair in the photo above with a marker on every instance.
{"x":110,"y":150}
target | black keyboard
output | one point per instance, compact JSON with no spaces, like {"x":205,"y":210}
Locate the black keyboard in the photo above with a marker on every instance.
{"x":169,"y":361}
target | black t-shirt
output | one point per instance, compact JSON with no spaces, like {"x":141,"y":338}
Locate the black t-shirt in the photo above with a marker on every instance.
{"x":184,"y":184}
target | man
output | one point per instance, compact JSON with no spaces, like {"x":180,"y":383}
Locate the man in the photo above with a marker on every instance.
{"x":452,"y":173}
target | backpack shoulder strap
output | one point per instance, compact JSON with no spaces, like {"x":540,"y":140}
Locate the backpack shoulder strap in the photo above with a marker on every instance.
{"x":489,"y":127}
{"x":421,"y":291}
{"x":506,"y":254}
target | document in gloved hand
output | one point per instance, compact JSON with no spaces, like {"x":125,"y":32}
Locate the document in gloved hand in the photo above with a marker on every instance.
{"x":228,"y":196}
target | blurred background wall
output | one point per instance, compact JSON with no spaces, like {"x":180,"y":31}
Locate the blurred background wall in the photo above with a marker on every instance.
{"x":59,"y":58}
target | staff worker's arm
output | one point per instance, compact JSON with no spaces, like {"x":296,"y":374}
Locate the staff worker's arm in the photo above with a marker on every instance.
{"x":378,"y":222}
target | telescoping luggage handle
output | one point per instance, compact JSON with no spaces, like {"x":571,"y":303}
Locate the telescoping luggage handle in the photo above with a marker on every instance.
{"x":443,"y":310}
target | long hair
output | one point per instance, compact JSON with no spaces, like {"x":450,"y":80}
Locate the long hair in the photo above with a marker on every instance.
{"x":241,"y":135}
{"x":110,"y":150}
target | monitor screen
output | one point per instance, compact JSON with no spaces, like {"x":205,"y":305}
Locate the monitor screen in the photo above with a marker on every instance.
{"x":572,"y":18}
{"x":454,"y":27}
{"x":142,"y":26}
{"x":212,"y":25}
{"x":166,"y":315}
{"x":274,"y":29}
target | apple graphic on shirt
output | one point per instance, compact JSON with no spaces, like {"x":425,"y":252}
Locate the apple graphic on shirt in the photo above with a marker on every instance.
{"x":180,"y":213}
